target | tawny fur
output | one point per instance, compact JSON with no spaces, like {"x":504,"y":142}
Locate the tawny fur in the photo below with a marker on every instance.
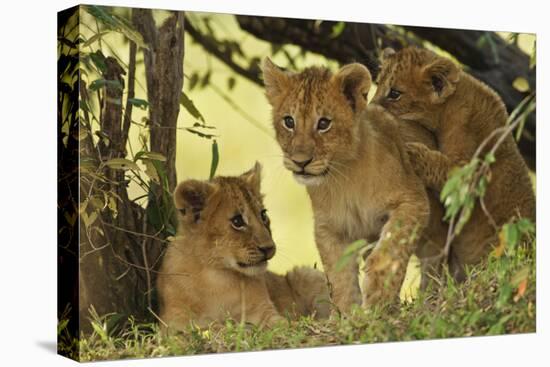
{"x":434,"y":237}
{"x":302,"y":291}
{"x":359,"y":180}
{"x":461,"y":112}
{"x":212,"y":271}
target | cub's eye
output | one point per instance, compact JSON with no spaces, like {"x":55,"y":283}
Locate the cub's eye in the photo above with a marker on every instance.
{"x":288,"y":122}
{"x":324,"y":124}
{"x":237,"y":222}
{"x":394,"y":94}
{"x":264,"y":216}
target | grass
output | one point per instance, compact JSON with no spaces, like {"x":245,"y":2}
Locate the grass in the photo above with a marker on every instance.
{"x":498,"y":298}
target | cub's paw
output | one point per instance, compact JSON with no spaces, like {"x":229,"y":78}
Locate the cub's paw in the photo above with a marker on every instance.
{"x":382,"y":280}
{"x":417,"y":152}
{"x":273,"y":321}
{"x":419,"y":158}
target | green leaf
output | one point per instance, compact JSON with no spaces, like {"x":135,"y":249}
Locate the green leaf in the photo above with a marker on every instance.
{"x":188,"y":104}
{"x":231,"y":81}
{"x":193,"y":81}
{"x":100,"y":331}
{"x":88,"y":219}
{"x":526,"y":226}
{"x":511,"y":235}
{"x":482,"y":186}
{"x":140,"y":103}
{"x":62,"y":325}
{"x":215,"y":159}
{"x":201,"y":134}
{"x":94,"y":38}
{"x":350,"y":251}
{"x":521,"y":84}
{"x":481,"y":41}
{"x":520,"y":276}
{"x":121,"y":163}
{"x":337,"y":29}
{"x":490,"y":158}
{"x":151,"y":171}
{"x":450,"y":186}
{"x":112,"y":205}
{"x":117,"y":24}
{"x":203,"y":126}
{"x":162,"y":173}
{"x":149,"y":155}
{"x":99,"y":60}
{"x":206,"y":79}
{"x":533,"y":58}
{"x":513,"y":37}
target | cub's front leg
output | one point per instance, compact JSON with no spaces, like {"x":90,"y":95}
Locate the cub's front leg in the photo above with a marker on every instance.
{"x":255,"y":305}
{"x":263,"y":314}
{"x":344,"y":285}
{"x":386,"y":266}
{"x":430,"y":165}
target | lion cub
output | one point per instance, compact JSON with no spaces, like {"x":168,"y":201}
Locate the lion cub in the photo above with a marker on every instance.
{"x":352,"y":161}
{"x":216,"y":267}
{"x":418,"y":86}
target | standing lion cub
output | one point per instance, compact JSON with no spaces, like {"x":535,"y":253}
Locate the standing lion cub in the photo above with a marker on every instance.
{"x":216,"y":266}
{"x":352,"y":161}
{"x":420,"y":87}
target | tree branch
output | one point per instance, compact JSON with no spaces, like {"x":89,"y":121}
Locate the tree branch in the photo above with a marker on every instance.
{"x":210,"y":45}
{"x":497,"y":63}
{"x":319,"y":38}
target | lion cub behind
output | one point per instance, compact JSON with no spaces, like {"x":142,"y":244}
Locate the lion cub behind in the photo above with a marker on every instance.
{"x":421,"y":87}
{"x":216,"y":266}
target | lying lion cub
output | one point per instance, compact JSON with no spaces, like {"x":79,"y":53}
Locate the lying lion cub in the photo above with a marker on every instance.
{"x":352,"y":161}
{"x":216,"y":267}
{"x":418,"y":86}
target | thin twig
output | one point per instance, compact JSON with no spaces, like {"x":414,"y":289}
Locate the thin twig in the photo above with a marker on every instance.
{"x":488,"y":214}
{"x":154,"y":237}
{"x":157,"y":316}
{"x":146,"y":262}
{"x":131,"y":93}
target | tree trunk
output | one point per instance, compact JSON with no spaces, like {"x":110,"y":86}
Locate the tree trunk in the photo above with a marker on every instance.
{"x":111,"y":267}
{"x":164,"y":70}
{"x":118,"y":262}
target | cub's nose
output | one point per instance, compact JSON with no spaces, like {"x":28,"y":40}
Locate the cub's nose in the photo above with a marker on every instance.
{"x":268,"y":251}
{"x":302,"y":163}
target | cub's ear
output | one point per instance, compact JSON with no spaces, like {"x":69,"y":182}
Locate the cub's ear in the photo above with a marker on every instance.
{"x":191,"y":196}
{"x":354,"y":81}
{"x":253,"y":177}
{"x":276,"y":80}
{"x":387,"y":53}
{"x":442,"y":76}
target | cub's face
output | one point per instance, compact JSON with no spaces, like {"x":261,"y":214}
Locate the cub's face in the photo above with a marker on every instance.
{"x":227,"y":218}
{"x":414,"y":84}
{"x":315,"y":116}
